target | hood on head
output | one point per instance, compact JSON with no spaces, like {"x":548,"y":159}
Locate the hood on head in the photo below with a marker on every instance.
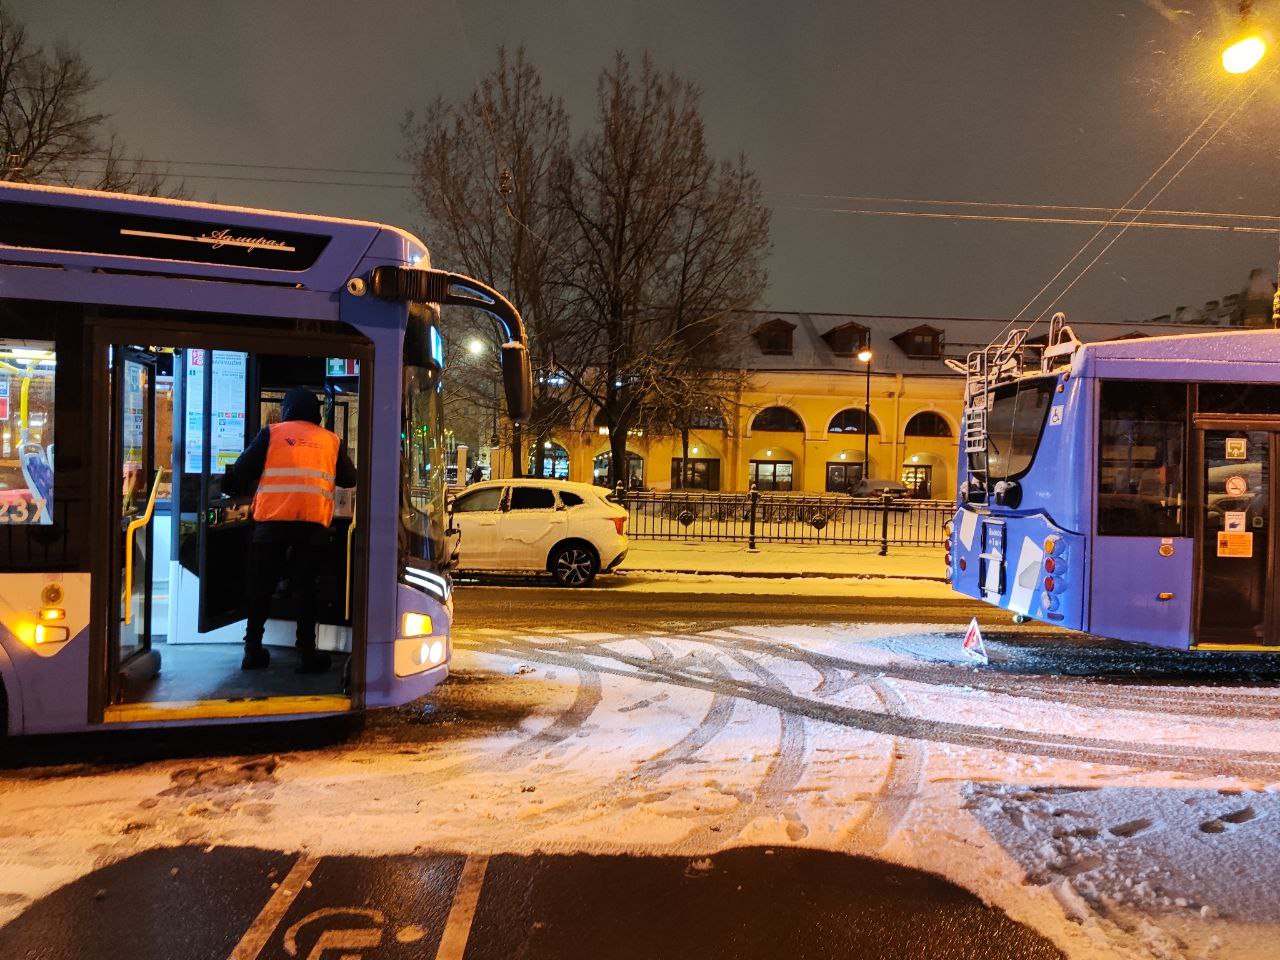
{"x":300,"y":404}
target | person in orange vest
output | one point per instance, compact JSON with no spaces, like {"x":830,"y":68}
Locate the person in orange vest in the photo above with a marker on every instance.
{"x":293,"y":466}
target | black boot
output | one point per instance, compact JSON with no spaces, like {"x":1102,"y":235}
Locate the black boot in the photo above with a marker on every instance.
{"x":313,"y":661}
{"x":256,"y":657}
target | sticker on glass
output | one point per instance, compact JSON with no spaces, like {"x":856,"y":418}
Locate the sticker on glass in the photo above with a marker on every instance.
{"x":1055,"y":415}
{"x":1237,"y":448}
{"x":1233,"y":521}
{"x":1237,"y":486}
{"x":1235,"y":544}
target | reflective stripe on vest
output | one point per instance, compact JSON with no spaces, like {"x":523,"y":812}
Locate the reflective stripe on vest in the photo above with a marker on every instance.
{"x":298,"y":477}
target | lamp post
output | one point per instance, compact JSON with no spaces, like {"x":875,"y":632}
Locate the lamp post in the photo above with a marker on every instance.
{"x":478,"y":348}
{"x":865,"y":356}
{"x":1246,"y":51}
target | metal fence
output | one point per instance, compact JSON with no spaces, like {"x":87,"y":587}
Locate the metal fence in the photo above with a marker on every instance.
{"x":784,"y":518}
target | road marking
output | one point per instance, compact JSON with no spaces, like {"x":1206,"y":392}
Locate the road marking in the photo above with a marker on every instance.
{"x":264,"y":926}
{"x":453,"y":943}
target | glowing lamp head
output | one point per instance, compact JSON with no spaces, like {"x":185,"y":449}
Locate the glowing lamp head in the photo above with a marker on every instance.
{"x":475,"y":347}
{"x":864,"y":355}
{"x":417,"y":625}
{"x":1243,"y":55}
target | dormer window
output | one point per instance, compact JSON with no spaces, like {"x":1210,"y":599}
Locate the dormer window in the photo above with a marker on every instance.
{"x":847,"y":339}
{"x":921,"y":343}
{"x":774,"y":337}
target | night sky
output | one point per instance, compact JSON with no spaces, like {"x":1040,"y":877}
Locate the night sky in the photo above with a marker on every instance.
{"x":1029,"y":101}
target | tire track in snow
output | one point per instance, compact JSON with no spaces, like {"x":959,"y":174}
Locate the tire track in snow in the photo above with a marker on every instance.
{"x":1085,"y":692}
{"x":899,"y":788}
{"x":1201,"y":761}
{"x":772,"y":794}
{"x":647,"y":773}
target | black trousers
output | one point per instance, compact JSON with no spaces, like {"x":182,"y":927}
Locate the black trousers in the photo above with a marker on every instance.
{"x":279,"y":549}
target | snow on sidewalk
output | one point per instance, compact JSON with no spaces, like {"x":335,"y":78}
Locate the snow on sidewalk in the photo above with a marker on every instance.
{"x":784,"y":559}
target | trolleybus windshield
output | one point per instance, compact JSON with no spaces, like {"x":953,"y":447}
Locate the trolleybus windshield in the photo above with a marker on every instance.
{"x":1014,"y":425}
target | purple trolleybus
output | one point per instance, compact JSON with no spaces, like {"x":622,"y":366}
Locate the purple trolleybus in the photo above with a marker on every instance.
{"x":143,"y":343}
{"x":1125,"y":488}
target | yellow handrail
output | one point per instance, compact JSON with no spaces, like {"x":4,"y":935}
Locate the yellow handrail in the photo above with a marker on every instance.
{"x":351,"y":532}
{"x":134,"y":525}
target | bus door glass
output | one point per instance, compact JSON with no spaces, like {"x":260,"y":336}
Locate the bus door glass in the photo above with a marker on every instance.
{"x":216,"y":397}
{"x":135,"y":477}
{"x":1236,"y":543}
{"x":135,"y":412}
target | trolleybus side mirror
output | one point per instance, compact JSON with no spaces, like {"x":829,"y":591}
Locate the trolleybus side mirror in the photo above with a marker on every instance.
{"x":517,"y":381}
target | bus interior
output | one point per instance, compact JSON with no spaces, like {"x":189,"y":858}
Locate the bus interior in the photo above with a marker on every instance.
{"x":180,"y":416}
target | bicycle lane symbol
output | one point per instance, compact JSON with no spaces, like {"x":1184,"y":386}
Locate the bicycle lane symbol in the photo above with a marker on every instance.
{"x":346,"y":940}
{"x":322,"y":910}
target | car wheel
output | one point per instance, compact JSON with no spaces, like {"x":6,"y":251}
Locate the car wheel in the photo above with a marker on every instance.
{"x":573,"y":565}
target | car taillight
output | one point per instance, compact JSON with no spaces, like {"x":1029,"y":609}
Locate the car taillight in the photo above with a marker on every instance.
{"x":620,"y":524}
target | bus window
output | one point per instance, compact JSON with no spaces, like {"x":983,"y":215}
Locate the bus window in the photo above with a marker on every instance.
{"x":422,"y":463}
{"x":1014,"y":424}
{"x":26,"y":431}
{"x":1140,"y":458}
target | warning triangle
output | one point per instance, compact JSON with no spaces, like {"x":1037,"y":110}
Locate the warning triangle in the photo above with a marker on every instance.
{"x":973,"y":644}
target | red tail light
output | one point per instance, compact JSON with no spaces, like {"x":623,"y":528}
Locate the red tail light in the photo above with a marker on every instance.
{"x":620,"y":524}
{"x":1050,"y":565}
{"x":1048,"y":584}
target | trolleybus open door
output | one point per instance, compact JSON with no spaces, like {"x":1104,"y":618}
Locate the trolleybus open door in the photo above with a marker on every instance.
{"x":217,"y":385}
{"x":135,"y":479}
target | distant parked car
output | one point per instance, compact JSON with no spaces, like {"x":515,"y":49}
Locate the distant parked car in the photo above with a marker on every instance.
{"x":872,"y":487}
{"x":571,"y":530}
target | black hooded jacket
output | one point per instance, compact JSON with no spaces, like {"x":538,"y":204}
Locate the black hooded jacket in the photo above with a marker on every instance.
{"x":242,"y":476}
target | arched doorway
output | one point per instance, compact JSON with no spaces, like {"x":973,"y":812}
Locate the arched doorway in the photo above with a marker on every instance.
{"x":555,"y":461}
{"x":632,"y":477}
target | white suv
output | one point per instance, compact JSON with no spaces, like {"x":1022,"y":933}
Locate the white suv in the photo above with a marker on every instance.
{"x":571,"y":530}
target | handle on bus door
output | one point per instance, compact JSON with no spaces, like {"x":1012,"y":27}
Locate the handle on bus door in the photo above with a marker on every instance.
{"x":351,"y":532}
{"x":134,"y":526}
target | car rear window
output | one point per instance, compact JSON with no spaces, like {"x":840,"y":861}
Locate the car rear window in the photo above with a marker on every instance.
{"x":570,"y":499}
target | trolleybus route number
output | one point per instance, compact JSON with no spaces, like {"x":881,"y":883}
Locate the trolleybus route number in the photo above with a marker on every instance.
{"x":21,"y":511}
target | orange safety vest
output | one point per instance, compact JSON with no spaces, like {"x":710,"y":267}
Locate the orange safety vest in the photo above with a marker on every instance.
{"x":297,"y":480}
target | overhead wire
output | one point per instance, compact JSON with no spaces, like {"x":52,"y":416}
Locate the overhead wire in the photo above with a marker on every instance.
{"x":1200,"y":149}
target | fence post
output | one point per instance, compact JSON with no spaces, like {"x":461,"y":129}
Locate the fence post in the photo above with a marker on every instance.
{"x":751,"y":529}
{"x":885,"y":500}
{"x":620,"y":492}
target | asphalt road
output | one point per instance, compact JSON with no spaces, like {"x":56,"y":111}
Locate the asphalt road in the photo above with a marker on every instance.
{"x":525,"y":604}
{"x":187,"y":903}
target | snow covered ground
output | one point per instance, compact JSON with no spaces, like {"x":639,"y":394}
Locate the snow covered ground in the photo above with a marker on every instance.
{"x":1120,"y":819}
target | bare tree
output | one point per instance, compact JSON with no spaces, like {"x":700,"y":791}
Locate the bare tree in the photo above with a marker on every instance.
{"x":667,"y":243}
{"x":482,"y":178}
{"x":47,"y":132}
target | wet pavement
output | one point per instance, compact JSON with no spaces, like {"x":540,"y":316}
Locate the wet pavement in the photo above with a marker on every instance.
{"x":242,"y":904}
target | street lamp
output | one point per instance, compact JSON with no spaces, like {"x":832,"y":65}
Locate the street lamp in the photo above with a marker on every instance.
{"x":475,"y":346}
{"x":1243,"y":55}
{"x":865,"y":356}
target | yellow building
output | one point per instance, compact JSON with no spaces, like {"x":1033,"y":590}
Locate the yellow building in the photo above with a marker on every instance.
{"x":799,"y":424}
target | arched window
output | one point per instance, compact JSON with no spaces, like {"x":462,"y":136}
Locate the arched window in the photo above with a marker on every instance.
{"x":778,"y":419}
{"x":928,"y":424}
{"x":851,"y":421}
{"x":555,"y":461}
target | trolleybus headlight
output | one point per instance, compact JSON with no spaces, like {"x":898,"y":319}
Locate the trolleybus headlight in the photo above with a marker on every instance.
{"x":416,"y":625}
{"x":430,"y":653}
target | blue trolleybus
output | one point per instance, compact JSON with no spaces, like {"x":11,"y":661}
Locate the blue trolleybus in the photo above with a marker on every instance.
{"x":1124,"y":488}
{"x":143,"y":343}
